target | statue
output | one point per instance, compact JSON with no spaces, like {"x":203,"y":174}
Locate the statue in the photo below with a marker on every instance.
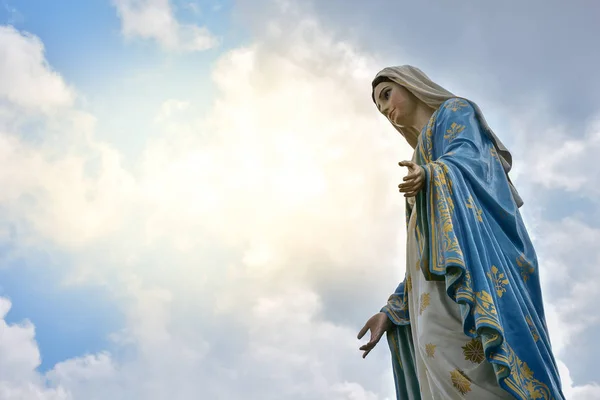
{"x":468,"y":319}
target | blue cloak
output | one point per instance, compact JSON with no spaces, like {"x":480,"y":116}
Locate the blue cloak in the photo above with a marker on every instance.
{"x":470,"y":235}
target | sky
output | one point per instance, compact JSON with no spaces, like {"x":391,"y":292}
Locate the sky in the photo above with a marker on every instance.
{"x":199,"y":199}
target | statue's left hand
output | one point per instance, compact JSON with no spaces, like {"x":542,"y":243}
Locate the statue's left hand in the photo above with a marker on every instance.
{"x":414,"y":181}
{"x":378,"y":324}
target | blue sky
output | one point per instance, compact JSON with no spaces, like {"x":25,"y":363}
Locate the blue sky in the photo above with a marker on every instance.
{"x":199,"y":196}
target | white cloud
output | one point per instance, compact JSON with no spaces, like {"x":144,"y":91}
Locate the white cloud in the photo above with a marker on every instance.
{"x":246,"y":249}
{"x":291,"y":234}
{"x":583,"y":392}
{"x":155,"y":20}
{"x":19,"y":357}
{"x":27,"y":79}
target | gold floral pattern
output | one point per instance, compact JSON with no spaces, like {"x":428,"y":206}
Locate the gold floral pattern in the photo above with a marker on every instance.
{"x":499,"y":279}
{"x":444,"y":244}
{"x":397,"y":309}
{"x":455,"y":104}
{"x":426,"y":141}
{"x":430,"y":350}
{"x":526,"y":268}
{"x":473,"y":351}
{"x":454,"y":131}
{"x":448,"y":184}
{"x":409,"y":283}
{"x":478,"y":211}
{"x":532,"y":329}
{"x":485,"y":310}
{"x":442,"y":226}
{"x":521,"y":379}
{"x":424,"y":301}
{"x":460,"y":381}
{"x":465,"y":290}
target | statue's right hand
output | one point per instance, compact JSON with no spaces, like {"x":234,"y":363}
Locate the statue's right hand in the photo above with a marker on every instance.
{"x":377,"y":324}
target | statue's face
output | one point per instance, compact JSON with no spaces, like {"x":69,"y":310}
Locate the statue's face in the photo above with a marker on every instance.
{"x":395,"y":102}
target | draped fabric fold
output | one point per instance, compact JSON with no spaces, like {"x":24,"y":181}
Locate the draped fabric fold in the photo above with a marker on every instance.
{"x":471,"y":238}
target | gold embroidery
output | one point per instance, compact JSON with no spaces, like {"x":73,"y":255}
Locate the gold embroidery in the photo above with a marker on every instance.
{"x":486,"y":310}
{"x":521,"y":379}
{"x":455,"y":104}
{"x":397,"y":309}
{"x":395,"y":346}
{"x":430,"y":350}
{"x":408,"y":283}
{"x":473,"y":351}
{"x":425,"y":145}
{"x":441,"y":193}
{"x":465,"y":290}
{"x":526,"y":268}
{"x":460,"y":381}
{"x":499,"y":279}
{"x":441,"y":228}
{"x":425,"y":300}
{"x":455,"y":130}
{"x":473,"y":331}
{"x":478,"y":211}
{"x":448,"y":184}
{"x":489,"y":338}
{"x":532,"y":328}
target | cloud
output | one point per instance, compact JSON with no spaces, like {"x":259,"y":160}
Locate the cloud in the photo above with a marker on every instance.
{"x":471,"y":48}
{"x":562,"y":160}
{"x":568,"y":258}
{"x":583,"y":392}
{"x":19,"y":356}
{"x":247,"y":247}
{"x":155,"y":20}
{"x":27,"y":79}
{"x":152,"y":233}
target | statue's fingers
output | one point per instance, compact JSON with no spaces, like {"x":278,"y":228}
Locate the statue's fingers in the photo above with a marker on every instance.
{"x":363,"y":331}
{"x":413,"y":193}
{"x":366,"y":353}
{"x":412,"y":176}
{"x":408,"y":189}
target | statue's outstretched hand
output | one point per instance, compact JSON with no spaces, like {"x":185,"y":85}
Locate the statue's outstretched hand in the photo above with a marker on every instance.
{"x":414,"y":181}
{"x":377,"y":324}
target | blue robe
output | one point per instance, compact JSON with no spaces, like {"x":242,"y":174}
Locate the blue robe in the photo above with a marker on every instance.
{"x":470,"y":235}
